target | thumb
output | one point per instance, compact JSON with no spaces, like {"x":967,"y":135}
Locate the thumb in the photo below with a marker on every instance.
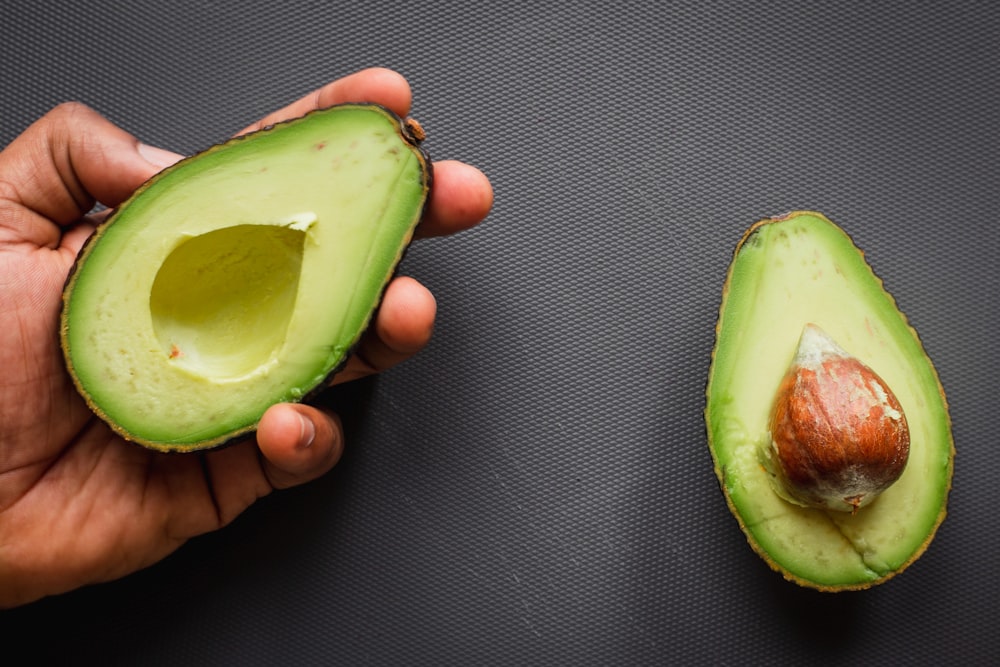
{"x":66,"y":161}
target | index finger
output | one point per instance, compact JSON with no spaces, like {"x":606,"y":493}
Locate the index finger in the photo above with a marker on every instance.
{"x":378,"y":85}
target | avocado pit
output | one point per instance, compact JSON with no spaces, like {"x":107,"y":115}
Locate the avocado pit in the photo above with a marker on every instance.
{"x":838,"y":435}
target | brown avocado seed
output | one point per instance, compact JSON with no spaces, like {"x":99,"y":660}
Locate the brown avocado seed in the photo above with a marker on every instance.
{"x":838,"y":434}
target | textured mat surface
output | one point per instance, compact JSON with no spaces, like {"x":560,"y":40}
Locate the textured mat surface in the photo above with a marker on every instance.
{"x":535,"y":488}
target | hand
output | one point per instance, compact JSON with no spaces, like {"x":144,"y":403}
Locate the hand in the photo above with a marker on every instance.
{"x":78,"y":505}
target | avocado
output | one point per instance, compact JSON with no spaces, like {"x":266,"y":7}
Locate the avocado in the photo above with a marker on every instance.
{"x":243,"y":276}
{"x":790,"y":277}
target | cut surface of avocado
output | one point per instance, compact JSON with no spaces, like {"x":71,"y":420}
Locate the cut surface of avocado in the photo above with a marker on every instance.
{"x":243,"y":276}
{"x":788,"y":272}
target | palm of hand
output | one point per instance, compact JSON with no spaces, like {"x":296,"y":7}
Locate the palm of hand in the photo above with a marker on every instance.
{"x":79,"y":504}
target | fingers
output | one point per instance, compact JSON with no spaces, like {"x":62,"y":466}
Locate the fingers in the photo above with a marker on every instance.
{"x":298,"y":443}
{"x":461,"y":197}
{"x":402,"y":327}
{"x":295,"y":444}
{"x":65,"y":161}
{"x":378,"y":85}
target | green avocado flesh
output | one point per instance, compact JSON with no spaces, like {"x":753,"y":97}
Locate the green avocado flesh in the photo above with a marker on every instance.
{"x":243,"y":276}
{"x":788,"y":272}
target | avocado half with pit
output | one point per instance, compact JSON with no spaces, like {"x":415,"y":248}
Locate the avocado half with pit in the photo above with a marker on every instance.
{"x":801,"y":273}
{"x":243,"y":276}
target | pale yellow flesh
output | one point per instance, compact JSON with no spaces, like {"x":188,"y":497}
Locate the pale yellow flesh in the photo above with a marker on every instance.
{"x":799,"y":271}
{"x":239,"y":289}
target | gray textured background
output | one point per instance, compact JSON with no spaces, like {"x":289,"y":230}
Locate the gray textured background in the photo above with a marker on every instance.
{"x":535,"y":488}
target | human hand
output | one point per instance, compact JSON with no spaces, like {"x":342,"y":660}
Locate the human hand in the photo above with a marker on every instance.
{"x":78,"y":505}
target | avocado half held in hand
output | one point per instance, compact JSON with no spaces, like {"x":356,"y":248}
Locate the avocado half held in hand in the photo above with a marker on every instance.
{"x":243,"y":276}
{"x":826,"y":420}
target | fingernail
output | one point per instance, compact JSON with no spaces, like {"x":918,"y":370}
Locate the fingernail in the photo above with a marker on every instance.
{"x":308,"y":433}
{"x":158,"y":157}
